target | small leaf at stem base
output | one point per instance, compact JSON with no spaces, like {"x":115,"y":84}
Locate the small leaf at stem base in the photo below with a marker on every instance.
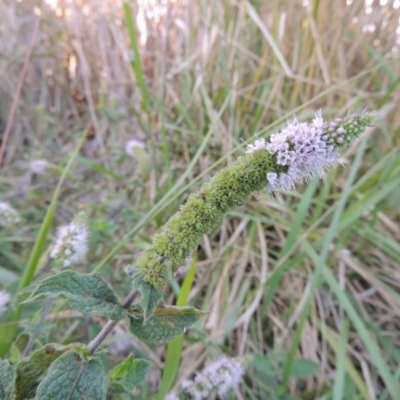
{"x":128,"y":374}
{"x":166,"y":323}
{"x":150,"y":295}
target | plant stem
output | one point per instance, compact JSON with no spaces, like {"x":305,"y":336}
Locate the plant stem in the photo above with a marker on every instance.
{"x":43,"y":316}
{"x":110,"y":325}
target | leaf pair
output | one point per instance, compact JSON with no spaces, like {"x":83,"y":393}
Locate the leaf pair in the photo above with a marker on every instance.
{"x":91,"y":294}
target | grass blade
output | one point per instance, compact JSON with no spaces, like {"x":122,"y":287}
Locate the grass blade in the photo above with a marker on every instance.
{"x":354,"y":316}
{"x":174,"y":348}
{"x":136,"y":63}
{"x":338,"y":388}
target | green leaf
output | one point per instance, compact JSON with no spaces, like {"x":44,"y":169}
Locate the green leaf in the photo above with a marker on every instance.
{"x":150,"y":295}
{"x":150,"y":299}
{"x":87,"y":293}
{"x":31,"y":371}
{"x":129,"y":373}
{"x":303,"y":368}
{"x":7,"y":380}
{"x":75,"y":378}
{"x":166,"y":323}
{"x":264,"y":365}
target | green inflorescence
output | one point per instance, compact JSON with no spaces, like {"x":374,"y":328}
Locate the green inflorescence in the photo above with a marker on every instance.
{"x":342,"y":131}
{"x":232,"y":186}
{"x":202,"y":214}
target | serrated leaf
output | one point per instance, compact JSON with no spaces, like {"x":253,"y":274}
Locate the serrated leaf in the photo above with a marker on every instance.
{"x":87,"y":293}
{"x":150,"y":295}
{"x":129,"y":373}
{"x":31,"y":371}
{"x":7,"y":380}
{"x":303,"y":368}
{"x":75,"y":378}
{"x":166,"y":323}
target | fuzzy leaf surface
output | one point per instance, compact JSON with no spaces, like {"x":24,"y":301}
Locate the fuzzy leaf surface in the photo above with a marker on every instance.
{"x":31,"y":371}
{"x":165,"y":325}
{"x":129,"y":373}
{"x":150,"y":295}
{"x":87,"y":293}
{"x":7,"y":380}
{"x":75,"y":378}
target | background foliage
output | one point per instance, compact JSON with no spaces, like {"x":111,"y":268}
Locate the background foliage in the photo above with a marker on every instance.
{"x":308,"y":275}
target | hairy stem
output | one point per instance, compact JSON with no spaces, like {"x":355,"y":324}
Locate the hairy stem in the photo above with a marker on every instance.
{"x":110,"y":325}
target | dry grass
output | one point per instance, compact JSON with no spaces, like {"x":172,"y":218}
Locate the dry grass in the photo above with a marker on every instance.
{"x":256,"y":275}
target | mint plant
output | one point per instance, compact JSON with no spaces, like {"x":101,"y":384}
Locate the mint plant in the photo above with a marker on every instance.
{"x":297,"y":153}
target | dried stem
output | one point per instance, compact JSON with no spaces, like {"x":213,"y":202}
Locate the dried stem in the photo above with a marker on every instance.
{"x":18,"y":91}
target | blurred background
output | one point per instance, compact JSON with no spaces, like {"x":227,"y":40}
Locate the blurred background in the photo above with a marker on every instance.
{"x":302,"y":287}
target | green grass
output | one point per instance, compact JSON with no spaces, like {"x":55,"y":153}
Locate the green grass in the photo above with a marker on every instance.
{"x":321,"y":262}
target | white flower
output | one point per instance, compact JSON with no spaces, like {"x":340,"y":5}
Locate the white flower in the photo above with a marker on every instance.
{"x":4,"y":299}
{"x":171,"y":396}
{"x":38,"y":166}
{"x":131,"y":145}
{"x":219,"y":376}
{"x":259,"y":144}
{"x":8,"y":215}
{"x":70,"y":245}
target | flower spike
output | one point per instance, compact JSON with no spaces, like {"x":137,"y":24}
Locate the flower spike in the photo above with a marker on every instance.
{"x":298,"y":152}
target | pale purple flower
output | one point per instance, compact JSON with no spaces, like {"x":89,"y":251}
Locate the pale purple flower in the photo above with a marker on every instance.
{"x":303,"y":148}
{"x":272,"y":178}
{"x":71,"y":244}
{"x":38,"y":167}
{"x":259,"y":144}
{"x":8,"y":215}
{"x":318,"y":121}
{"x":4,"y":299}
{"x":131,"y":145}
